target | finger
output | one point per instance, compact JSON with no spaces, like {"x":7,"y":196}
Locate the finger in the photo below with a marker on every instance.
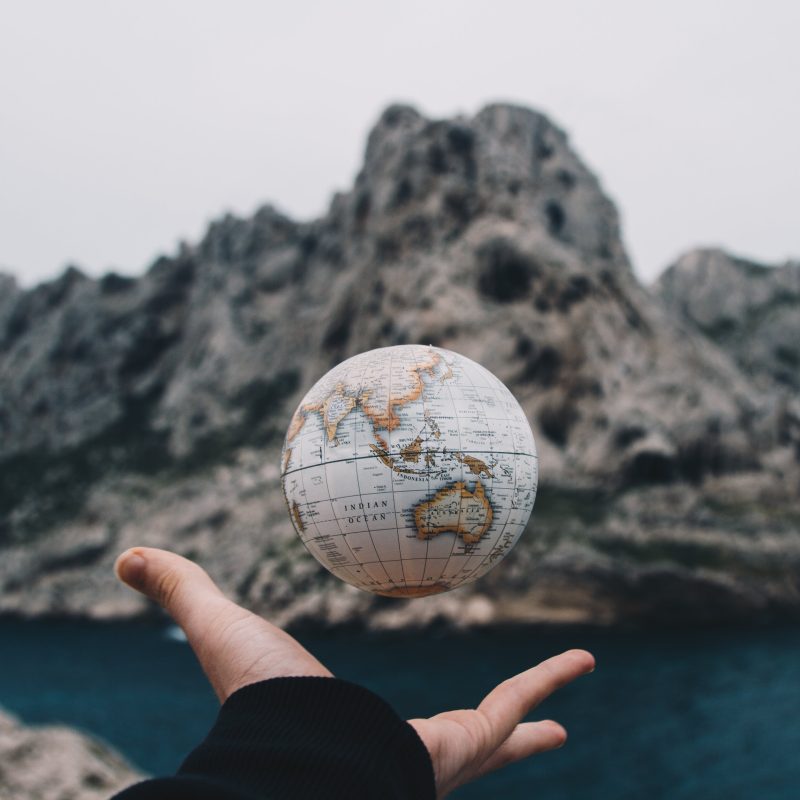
{"x":180,"y":586}
{"x":527,"y":739}
{"x":234,"y":647}
{"x":509,"y":702}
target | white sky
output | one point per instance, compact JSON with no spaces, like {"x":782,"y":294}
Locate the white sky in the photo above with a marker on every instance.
{"x":126,"y":126}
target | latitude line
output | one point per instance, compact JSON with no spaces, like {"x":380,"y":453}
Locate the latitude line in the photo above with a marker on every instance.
{"x":372,"y":455}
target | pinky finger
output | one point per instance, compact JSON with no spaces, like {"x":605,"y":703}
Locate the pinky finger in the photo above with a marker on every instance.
{"x":527,"y":739}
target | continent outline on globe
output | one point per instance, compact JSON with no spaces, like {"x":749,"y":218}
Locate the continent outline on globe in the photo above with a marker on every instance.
{"x":409,"y":470}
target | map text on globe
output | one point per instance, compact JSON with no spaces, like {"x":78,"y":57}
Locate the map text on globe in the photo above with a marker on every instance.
{"x":409,"y":470}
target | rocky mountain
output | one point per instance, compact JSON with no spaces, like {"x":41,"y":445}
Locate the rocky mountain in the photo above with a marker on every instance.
{"x":57,"y":763}
{"x":151,"y":410}
{"x":752,"y":311}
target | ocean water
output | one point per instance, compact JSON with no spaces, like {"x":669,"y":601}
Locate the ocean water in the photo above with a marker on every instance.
{"x":676,"y":714}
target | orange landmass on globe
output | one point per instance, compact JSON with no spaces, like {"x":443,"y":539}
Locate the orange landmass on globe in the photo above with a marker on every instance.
{"x":287,"y":457}
{"x":433,"y":425}
{"x":386,"y":390}
{"x":475,"y":465}
{"x":413,"y":451}
{"x":457,"y":510}
{"x":388,"y":460}
{"x":381,"y":406}
{"x":413,"y":591}
{"x":333,"y":409}
{"x":336,"y":407}
{"x":296,"y":425}
{"x":298,"y":520}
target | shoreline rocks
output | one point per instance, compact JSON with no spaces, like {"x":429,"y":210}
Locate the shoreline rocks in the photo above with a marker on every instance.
{"x":55,"y":762}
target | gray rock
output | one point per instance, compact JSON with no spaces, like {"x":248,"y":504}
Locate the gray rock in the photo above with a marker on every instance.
{"x":55,"y":762}
{"x":751,"y":310}
{"x":151,"y":410}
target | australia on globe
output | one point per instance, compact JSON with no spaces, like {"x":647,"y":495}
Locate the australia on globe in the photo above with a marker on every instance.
{"x":409,"y":470}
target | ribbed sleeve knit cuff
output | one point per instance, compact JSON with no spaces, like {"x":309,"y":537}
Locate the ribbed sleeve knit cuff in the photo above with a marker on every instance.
{"x":310,"y":737}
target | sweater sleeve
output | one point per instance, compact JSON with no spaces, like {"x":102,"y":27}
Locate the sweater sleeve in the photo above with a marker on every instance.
{"x":297,"y":738}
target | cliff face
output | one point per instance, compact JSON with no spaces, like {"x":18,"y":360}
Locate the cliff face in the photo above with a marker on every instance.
{"x":752,"y":311}
{"x":150,"y":411}
{"x":57,"y":763}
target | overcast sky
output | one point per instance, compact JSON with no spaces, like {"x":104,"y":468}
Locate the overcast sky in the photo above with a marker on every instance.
{"x":125,"y":127}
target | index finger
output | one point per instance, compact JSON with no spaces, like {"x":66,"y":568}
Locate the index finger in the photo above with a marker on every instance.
{"x":511,"y":700}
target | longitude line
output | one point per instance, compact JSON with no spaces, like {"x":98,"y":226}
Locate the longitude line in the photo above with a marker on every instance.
{"x":491,"y":488}
{"x":358,"y":479}
{"x":428,"y":476}
{"x":458,"y":523}
{"x":372,"y":455}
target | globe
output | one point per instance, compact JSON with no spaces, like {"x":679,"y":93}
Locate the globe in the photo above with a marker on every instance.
{"x":409,"y":470}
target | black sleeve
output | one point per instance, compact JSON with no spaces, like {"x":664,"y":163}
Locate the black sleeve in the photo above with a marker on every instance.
{"x":301,"y":738}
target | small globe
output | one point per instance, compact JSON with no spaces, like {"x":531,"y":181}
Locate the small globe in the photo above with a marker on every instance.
{"x":409,"y":470}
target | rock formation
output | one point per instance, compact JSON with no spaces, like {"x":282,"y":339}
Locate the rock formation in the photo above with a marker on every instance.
{"x":151,"y":410}
{"x":57,"y":763}
{"x":752,"y":311}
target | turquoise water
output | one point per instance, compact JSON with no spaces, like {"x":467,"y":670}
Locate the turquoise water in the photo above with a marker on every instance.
{"x":678,"y":714}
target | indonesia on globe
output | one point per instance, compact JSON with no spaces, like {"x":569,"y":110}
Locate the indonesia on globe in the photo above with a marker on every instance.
{"x":409,"y":470}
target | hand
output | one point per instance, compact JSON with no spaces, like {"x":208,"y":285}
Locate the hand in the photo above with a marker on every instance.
{"x":236,"y":648}
{"x":466,"y":744}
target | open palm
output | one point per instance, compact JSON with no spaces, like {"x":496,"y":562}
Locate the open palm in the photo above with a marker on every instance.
{"x":236,"y":648}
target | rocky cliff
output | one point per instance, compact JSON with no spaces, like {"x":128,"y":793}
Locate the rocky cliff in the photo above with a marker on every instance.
{"x":57,"y":763}
{"x":752,"y":311}
{"x":151,"y":410}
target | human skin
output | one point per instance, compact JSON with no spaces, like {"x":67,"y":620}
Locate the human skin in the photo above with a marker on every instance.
{"x":236,"y":647}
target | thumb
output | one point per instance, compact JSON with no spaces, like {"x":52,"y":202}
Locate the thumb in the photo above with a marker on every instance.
{"x":192,"y":599}
{"x":234,"y":646}
{"x":180,"y":586}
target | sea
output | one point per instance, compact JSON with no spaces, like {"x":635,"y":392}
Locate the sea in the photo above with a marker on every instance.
{"x":697,"y":713}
